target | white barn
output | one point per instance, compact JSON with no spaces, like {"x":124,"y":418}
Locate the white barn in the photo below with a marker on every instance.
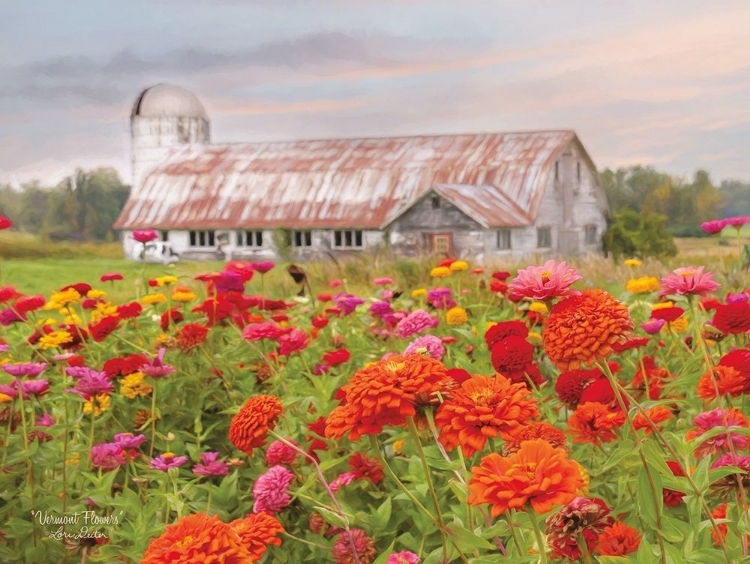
{"x":488,"y":195}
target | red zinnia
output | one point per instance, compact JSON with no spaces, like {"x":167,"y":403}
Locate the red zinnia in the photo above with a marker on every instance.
{"x":618,"y":539}
{"x":334,"y":358}
{"x":503,"y":330}
{"x":511,"y":355}
{"x":595,"y":423}
{"x":366,"y":468}
{"x":101,"y":329}
{"x":732,"y":319}
{"x":191,"y":335}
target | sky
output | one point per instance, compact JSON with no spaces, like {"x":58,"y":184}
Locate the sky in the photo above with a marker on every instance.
{"x":661,"y":83}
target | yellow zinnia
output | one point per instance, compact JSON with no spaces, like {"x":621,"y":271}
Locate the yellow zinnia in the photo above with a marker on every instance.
{"x":133,"y":386}
{"x":5,"y":398}
{"x":418,"y":293}
{"x":62,"y":299}
{"x":166,"y":280}
{"x":55,"y":339}
{"x":440,"y":272}
{"x":634,"y":263}
{"x":538,"y":307}
{"x":642,"y":285}
{"x":99,"y":404}
{"x":459,"y":265}
{"x":183,"y":295}
{"x":96,"y":294}
{"x":456,"y":316}
{"x":151,"y":299}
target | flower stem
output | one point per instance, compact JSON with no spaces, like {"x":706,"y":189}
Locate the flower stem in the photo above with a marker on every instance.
{"x":153,"y":419}
{"x":428,"y":476}
{"x":585,"y":554}
{"x":541,"y":545}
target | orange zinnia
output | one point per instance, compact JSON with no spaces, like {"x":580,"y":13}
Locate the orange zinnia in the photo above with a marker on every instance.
{"x":386,"y":393}
{"x":618,"y":539}
{"x":249,"y":428}
{"x":197,"y":539}
{"x":257,"y":531}
{"x":593,"y":422}
{"x":726,"y":379}
{"x":581,"y":330}
{"x":483,"y":407}
{"x":655,"y":415}
{"x":535,"y":430}
{"x":538,"y":474}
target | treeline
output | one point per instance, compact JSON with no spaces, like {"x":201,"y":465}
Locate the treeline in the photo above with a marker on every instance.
{"x":85,"y":204}
{"x":82,"y":207}
{"x":684,"y":204}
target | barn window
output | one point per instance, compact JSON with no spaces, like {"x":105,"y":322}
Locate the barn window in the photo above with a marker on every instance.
{"x":591,"y":234}
{"x":249,"y":238}
{"x":302,"y":238}
{"x":503,"y":239}
{"x":202,"y":239}
{"x":164,"y":236}
{"x":544,"y":237}
{"x":435,"y":202}
{"x":348,"y":239}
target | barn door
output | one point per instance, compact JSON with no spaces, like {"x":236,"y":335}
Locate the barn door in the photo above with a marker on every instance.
{"x":442,"y":243}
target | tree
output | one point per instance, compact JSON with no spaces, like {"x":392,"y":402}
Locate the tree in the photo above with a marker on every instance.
{"x":641,"y":235}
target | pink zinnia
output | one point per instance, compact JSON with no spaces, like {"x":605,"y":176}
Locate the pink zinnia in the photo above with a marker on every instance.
{"x":653,"y":326}
{"x":263,"y":330}
{"x":416,"y":322}
{"x":403,"y":557}
{"x":280,"y":453}
{"x":129,"y":440}
{"x":145,"y":235}
{"x":294,"y":341}
{"x":262,"y":267}
{"x":721,"y":418}
{"x":107,"y":456}
{"x":737,"y":221}
{"x":384,"y":281}
{"x":30,"y":369}
{"x":34,"y":387}
{"x":211,"y":465}
{"x":156,"y":368}
{"x":714,"y":226}
{"x":433,"y":345}
{"x":168,"y":460}
{"x":553,"y":280}
{"x":688,"y":280}
{"x":342,"y":480}
{"x":270,"y":490}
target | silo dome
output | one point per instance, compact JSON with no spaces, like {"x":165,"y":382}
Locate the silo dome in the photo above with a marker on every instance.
{"x":165,"y":100}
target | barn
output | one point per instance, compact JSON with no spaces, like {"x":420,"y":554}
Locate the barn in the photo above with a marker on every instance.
{"x":480,"y":195}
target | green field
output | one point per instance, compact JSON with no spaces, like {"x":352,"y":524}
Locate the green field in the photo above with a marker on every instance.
{"x":34,"y":267}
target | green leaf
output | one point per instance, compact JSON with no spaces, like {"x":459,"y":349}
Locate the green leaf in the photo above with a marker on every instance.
{"x":332,"y":517}
{"x":467,"y":539}
{"x":650,"y":503}
{"x":383,"y":513}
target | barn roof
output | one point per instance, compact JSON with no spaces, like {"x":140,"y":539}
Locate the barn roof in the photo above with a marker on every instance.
{"x":496,"y":178}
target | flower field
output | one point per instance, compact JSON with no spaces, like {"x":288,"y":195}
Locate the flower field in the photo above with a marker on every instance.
{"x":482,"y":416}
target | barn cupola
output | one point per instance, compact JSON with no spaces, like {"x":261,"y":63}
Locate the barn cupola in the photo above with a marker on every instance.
{"x":163,"y":117}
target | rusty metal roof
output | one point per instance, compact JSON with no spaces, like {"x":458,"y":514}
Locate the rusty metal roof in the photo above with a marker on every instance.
{"x":496,"y":178}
